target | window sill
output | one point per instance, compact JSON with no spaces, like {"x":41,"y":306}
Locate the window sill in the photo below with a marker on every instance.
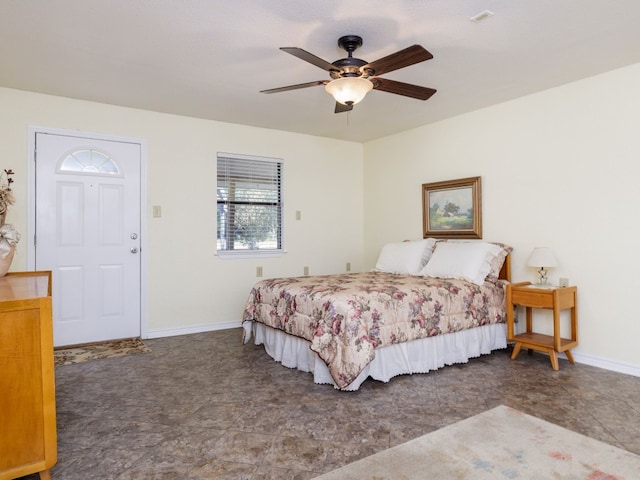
{"x":227,"y":254}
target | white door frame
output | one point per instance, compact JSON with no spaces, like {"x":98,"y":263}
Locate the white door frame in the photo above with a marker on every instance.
{"x":31,"y":204}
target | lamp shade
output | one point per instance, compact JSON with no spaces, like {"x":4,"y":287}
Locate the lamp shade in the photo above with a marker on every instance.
{"x":349,"y":90}
{"x":542,"y":257}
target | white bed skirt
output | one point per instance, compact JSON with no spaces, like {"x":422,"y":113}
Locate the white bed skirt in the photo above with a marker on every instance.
{"x":418,"y":356}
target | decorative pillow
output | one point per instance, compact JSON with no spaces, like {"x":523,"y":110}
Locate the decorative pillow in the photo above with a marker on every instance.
{"x":469,"y":261}
{"x":498,"y":261}
{"x":405,"y":257}
{"x":429,"y":245}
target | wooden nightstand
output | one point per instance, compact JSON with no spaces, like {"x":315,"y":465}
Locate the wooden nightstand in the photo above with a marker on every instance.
{"x":554,"y":298}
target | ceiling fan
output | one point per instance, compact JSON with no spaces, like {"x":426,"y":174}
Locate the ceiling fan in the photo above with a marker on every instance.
{"x":353,"y":78}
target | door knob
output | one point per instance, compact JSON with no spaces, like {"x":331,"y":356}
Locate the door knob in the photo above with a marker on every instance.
{"x":134,"y":236}
{"x":134,"y":250}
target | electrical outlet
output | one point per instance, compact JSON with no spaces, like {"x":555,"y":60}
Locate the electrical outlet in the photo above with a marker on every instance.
{"x":306,"y":271}
{"x":258,"y":271}
{"x":298,"y":215}
{"x":348,"y":266}
{"x":563,"y":282}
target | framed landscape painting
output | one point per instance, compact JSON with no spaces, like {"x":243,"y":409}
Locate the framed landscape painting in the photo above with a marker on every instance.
{"x":452,"y":209}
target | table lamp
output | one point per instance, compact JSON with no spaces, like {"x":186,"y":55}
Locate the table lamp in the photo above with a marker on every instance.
{"x":541,"y":258}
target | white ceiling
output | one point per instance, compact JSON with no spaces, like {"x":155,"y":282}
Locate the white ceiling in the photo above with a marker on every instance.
{"x":209,"y":58}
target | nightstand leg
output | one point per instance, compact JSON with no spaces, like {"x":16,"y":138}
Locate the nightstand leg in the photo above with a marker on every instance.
{"x":553,"y":355}
{"x":569,"y":356}
{"x":516,"y":350}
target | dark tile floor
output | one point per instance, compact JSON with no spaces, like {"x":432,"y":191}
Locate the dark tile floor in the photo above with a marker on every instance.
{"x":205,"y":406}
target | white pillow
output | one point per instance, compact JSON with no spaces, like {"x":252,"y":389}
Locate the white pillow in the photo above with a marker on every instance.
{"x":405,"y":257}
{"x":469,"y":261}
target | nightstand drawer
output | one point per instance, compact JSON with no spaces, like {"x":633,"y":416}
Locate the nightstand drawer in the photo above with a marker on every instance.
{"x":532,"y":298}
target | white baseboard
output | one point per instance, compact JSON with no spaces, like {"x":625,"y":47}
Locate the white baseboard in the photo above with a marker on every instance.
{"x":607,"y":364}
{"x":194,"y":329}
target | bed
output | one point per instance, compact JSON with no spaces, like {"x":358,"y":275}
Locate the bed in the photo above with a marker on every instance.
{"x":427,"y":304}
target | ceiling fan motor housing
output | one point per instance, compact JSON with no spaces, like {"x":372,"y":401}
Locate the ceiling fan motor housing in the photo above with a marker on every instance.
{"x":350,"y":66}
{"x":347,"y":67}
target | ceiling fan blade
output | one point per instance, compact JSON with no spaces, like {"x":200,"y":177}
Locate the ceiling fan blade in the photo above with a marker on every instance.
{"x":311,"y":58}
{"x":295,"y":87}
{"x":401,"y":88}
{"x":403,"y":58}
{"x":340,"y":107}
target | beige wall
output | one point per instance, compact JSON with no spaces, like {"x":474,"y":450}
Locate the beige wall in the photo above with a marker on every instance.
{"x":561,"y":169}
{"x":188,"y":285}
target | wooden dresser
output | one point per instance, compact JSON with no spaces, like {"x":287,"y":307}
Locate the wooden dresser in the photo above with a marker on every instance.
{"x":27,"y":388}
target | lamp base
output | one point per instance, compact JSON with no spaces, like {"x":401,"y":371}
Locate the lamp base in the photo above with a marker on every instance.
{"x":542,"y":276}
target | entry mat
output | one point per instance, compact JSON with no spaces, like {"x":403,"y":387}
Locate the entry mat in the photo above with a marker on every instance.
{"x":95,"y":351}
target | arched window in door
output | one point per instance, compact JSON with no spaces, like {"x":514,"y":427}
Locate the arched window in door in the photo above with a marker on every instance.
{"x":89,"y":161}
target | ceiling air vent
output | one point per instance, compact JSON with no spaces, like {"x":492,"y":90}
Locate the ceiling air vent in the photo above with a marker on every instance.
{"x":482,"y":16}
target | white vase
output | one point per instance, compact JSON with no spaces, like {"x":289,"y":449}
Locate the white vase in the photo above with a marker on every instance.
{"x":5,"y":263}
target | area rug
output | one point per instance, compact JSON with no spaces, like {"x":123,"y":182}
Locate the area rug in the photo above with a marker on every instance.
{"x":110,"y":349}
{"x":501,"y":443}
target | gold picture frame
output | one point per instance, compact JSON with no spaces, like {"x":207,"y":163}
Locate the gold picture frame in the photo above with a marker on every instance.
{"x":452,"y":208}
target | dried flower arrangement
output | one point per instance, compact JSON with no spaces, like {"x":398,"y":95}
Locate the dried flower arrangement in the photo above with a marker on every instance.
{"x":9,"y":237}
{"x":6,"y":195}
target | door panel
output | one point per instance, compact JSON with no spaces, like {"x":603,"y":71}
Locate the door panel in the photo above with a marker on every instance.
{"x":110,"y":215}
{"x":70,"y":222}
{"x":85,"y":221}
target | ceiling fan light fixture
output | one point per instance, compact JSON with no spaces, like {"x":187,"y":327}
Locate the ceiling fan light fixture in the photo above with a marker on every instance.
{"x":349,"y":90}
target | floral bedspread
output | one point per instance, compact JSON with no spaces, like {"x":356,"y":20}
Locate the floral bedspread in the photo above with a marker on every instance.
{"x":347,"y":317}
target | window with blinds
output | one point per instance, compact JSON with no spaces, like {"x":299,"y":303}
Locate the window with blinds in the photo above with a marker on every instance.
{"x":249,"y":204}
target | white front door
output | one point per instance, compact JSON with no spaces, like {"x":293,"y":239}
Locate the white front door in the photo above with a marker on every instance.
{"x":87,"y":232}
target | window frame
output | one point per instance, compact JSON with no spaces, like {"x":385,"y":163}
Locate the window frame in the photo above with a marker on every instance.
{"x":256,"y":252}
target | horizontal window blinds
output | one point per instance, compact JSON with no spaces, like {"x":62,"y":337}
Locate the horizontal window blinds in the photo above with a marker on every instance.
{"x":249,"y":195}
